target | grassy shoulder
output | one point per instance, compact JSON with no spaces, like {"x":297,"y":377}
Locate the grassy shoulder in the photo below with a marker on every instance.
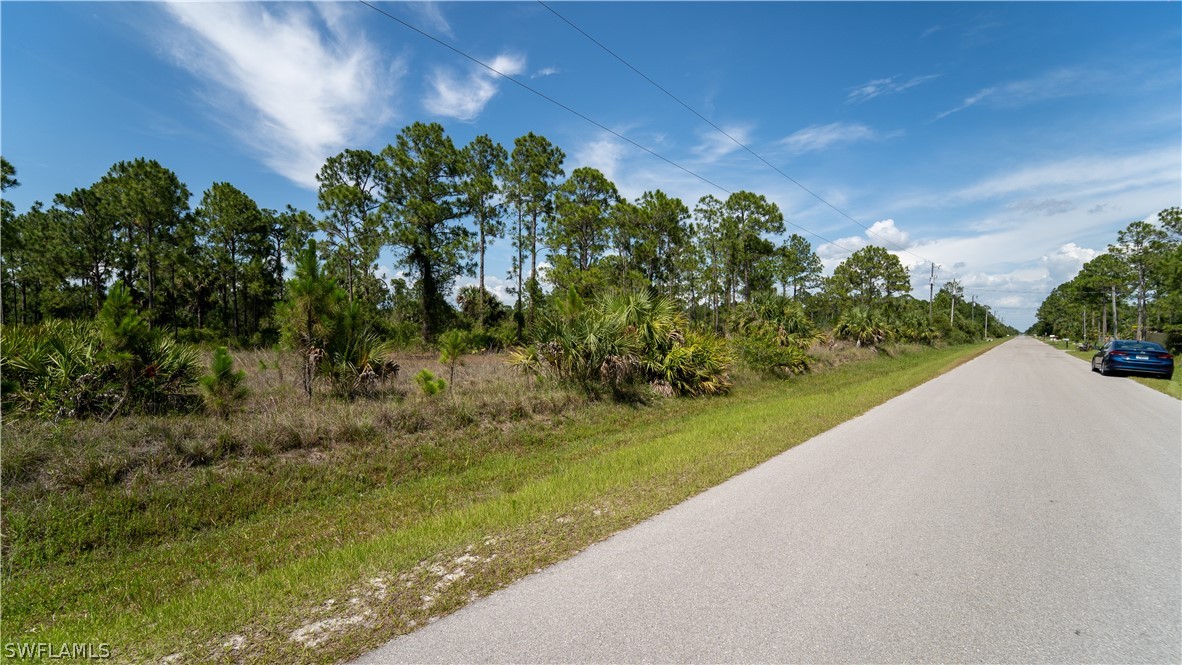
{"x":320,"y":551}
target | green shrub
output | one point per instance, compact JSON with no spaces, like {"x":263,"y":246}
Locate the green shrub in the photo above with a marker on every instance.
{"x":763,"y":353}
{"x":771,"y":333}
{"x":917,"y":328}
{"x":862,"y":326}
{"x":775,"y":318}
{"x":696,"y":365}
{"x":621,"y":343}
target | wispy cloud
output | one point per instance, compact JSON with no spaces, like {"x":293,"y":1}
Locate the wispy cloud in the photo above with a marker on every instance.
{"x":1081,"y":176}
{"x":969,"y":101}
{"x":430,"y":16}
{"x":1055,"y":84}
{"x":1094,"y":183}
{"x":464,"y":96}
{"x":545,"y":71}
{"x":715,"y":146}
{"x":306,"y":81}
{"x":821,"y":137}
{"x":1044,"y":208}
{"x":886,"y":86}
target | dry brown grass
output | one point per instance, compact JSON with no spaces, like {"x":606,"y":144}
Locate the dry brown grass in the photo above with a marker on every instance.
{"x":275,"y":417}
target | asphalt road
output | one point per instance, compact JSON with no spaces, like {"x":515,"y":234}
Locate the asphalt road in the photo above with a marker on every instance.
{"x":1017,"y":509}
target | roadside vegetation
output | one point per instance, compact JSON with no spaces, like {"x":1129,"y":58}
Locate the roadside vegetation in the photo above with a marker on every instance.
{"x":225,"y":437}
{"x":1133,"y":291}
{"x":311,"y":531}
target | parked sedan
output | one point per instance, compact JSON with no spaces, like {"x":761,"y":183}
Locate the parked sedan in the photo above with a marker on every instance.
{"x":1123,"y":355}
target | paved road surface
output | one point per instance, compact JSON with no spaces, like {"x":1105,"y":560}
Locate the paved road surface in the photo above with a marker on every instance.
{"x":1017,"y":509}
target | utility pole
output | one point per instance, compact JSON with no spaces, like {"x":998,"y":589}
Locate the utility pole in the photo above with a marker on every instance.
{"x":931,"y":291}
{"x":1115,"y":326}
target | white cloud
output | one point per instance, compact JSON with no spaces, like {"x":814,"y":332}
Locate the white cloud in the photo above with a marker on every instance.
{"x":887,"y":86}
{"x":464,"y":97}
{"x":307,"y":82}
{"x":603,"y":153}
{"x":1066,"y":262}
{"x":839,"y":249}
{"x":545,"y":71}
{"x":493,"y":284}
{"x":882,"y":233}
{"x":886,"y":231}
{"x":820,"y":137}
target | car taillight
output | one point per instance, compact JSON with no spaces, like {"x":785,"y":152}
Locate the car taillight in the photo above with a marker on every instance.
{"x":1165,"y":356}
{"x":1117,"y":353}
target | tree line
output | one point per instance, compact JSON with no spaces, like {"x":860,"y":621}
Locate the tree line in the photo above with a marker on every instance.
{"x":217,"y":272}
{"x":1132,"y":291}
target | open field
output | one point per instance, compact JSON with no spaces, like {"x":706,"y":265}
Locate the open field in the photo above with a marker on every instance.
{"x":308,"y":532}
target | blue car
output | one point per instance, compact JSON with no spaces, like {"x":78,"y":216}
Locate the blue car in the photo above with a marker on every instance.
{"x":1132,"y":357}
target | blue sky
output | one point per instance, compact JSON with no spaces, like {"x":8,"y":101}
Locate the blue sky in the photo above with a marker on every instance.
{"x":1006,"y":143}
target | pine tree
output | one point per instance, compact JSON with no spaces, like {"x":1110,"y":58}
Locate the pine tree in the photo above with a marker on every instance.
{"x":222,"y":388}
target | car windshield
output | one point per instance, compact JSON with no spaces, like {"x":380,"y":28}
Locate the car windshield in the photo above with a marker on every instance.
{"x":1138,"y":346}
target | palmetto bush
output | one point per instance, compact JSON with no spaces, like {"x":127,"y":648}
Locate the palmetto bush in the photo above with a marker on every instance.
{"x":917,"y":328}
{"x":357,"y":362}
{"x":697,"y":365}
{"x":780,"y":319}
{"x":771,"y":334}
{"x":762,"y":353}
{"x":862,"y":326}
{"x":115,"y":364}
{"x":621,"y":343}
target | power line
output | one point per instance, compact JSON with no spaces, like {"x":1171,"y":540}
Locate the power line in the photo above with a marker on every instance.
{"x":618,"y":135}
{"x":726,"y":134}
{"x":543,"y":95}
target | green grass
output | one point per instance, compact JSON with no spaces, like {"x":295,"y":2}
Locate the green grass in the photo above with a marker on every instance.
{"x":380,"y":534}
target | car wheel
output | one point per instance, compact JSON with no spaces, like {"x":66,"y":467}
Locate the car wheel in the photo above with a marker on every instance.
{"x":1103,"y":369}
